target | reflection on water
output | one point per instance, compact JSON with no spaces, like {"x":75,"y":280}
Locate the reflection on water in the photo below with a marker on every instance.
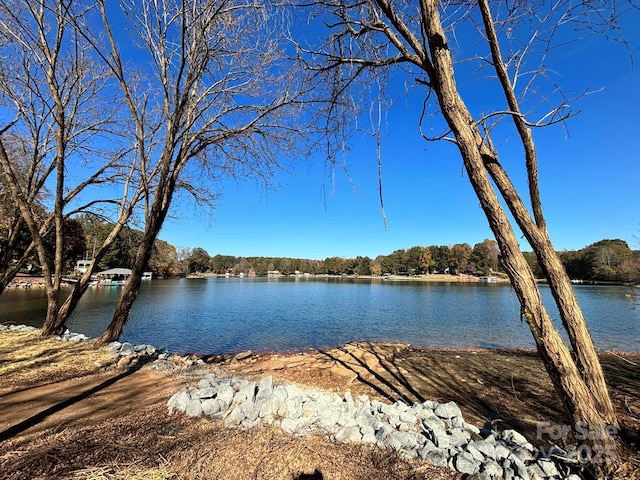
{"x":229,"y":315}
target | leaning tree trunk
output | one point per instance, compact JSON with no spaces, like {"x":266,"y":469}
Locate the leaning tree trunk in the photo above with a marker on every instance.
{"x":80,"y":287}
{"x":535,"y":231}
{"x":560,"y":286}
{"x":581,"y":396}
{"x":131,"y":288}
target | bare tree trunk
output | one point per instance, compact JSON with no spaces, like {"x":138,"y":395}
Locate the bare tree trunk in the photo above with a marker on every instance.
{"x":581,"y":397}
{"x":71,"y":302}
{"x":573,"y":320}
{"x":131,"y":287}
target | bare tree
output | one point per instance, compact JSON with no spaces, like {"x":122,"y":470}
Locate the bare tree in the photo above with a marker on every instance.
{"x":15,"y":246}
{"x":55,"y":89}
{"x":369,"y":41}
{"x":213,"y":98}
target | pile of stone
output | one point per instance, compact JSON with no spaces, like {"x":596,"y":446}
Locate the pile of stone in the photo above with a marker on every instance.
{"x":435,"y":432}
{"x":18,"y":328}
{"x":67,"y":335}
{"x":125,"y":348}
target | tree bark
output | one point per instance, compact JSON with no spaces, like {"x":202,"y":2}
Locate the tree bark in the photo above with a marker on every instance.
{"x":583,"y":399}
{"x":131,"y":288}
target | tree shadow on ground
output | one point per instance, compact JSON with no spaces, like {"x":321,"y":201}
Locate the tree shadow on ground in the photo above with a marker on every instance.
{"x":11,"y":401}
{"x":511,"y":389}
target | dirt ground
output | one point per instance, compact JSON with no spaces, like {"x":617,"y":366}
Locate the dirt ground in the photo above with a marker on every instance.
{"x":68,"y":411}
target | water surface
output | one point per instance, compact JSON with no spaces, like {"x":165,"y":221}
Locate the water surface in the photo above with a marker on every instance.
{"x":234,"y":314}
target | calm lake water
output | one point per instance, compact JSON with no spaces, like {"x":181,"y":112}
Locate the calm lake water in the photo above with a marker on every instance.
{"x":260,"y":314}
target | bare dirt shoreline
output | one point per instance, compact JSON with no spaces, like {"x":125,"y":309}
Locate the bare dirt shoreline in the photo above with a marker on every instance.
{"x":67,"y":411}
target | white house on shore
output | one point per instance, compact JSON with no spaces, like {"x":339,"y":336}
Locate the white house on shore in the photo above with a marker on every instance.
{"x":117,"y":276}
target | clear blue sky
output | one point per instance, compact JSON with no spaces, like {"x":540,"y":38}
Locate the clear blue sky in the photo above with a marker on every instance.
{"x":589,"y":174}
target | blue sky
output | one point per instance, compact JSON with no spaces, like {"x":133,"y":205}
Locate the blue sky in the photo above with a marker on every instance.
{"x":589,"y":175}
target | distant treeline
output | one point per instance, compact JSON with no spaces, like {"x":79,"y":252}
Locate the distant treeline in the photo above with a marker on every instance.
{"x":603,"y":261}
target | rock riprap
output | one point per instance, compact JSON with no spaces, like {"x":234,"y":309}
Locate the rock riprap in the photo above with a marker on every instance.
{"x":435,"y":432}
{"x":67,"y":335}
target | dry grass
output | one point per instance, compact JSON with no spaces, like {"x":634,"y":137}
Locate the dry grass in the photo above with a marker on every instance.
{"x":28,"y":358}
{"x":128,"y":434}
{"x":146,"y":443}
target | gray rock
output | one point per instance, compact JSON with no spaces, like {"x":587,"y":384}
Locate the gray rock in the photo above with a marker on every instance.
{"x":465,"y":463}
{"x":246,"y":392}
{"x":150,"y":350}
{"x":294,"y":391}
{"x":204,"y":383}
{"x":408,"y":440}
{"x":348,"y":435}
{"x":437,"y":457}
{"x":432,"y":423}
{"x":225,"y":394}
{"x":258,"y":408}
{"x":518,"y":465}
{"x":234,"y":418}
{"x":210,"y":406}
{"x":523,"y":454}
{"x":447,"y":410}
{"x":471,"y":428}
{"x":501,"y":451}
{"x":548,"y":467}
{"x":194,"y":408}
{"x":492,"y":469}
{"x":242,"y":356}
{"x":509,"y":474}
{"x":426,"y":448}
{"x":392,"y":441}
{"x":178,"y":401}
{"x":348,"y":399}
{"x":401,"y":406}
{"x":206,"y":392}
{"x":486,"y":448}
{"x":249,"y":409}
{"x":408,"y":417}
{"x":439,"y":437}
{"x":366,"y":420}
{"x":475,"y":453}
{"x":430,"y":404}
{"x":513,"y":437}
{"x":293,"y":406}
{"x":458,"y":437}
{"x":383,"y":432}
{"x":346,"y":417}
{"x":290,"y":425}
{"x":328,"y":415}
{"x":126,"y":349}
{"x":535,"y":472}
{"x":421,"y":412}
{"x":394,"y":420}
{"x":368,"y":434}
{"x":265,"y":388}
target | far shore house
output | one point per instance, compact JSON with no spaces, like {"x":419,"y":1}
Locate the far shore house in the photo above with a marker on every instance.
{"x":83,"y":265}
{"x":117,"y":276}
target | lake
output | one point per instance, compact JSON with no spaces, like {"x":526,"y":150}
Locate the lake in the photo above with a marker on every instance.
{"x":225,"y":315}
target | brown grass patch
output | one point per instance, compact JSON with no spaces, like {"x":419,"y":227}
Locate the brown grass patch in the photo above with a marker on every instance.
{"x":28,"y":358}
{"x":121,"y":429}
{"x":136,"y":439}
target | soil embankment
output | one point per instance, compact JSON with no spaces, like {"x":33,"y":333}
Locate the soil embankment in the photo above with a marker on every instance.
{"x":68,"y":411}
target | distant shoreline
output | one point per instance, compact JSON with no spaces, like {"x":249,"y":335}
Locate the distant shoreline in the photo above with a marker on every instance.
{"x":434,"y":277}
